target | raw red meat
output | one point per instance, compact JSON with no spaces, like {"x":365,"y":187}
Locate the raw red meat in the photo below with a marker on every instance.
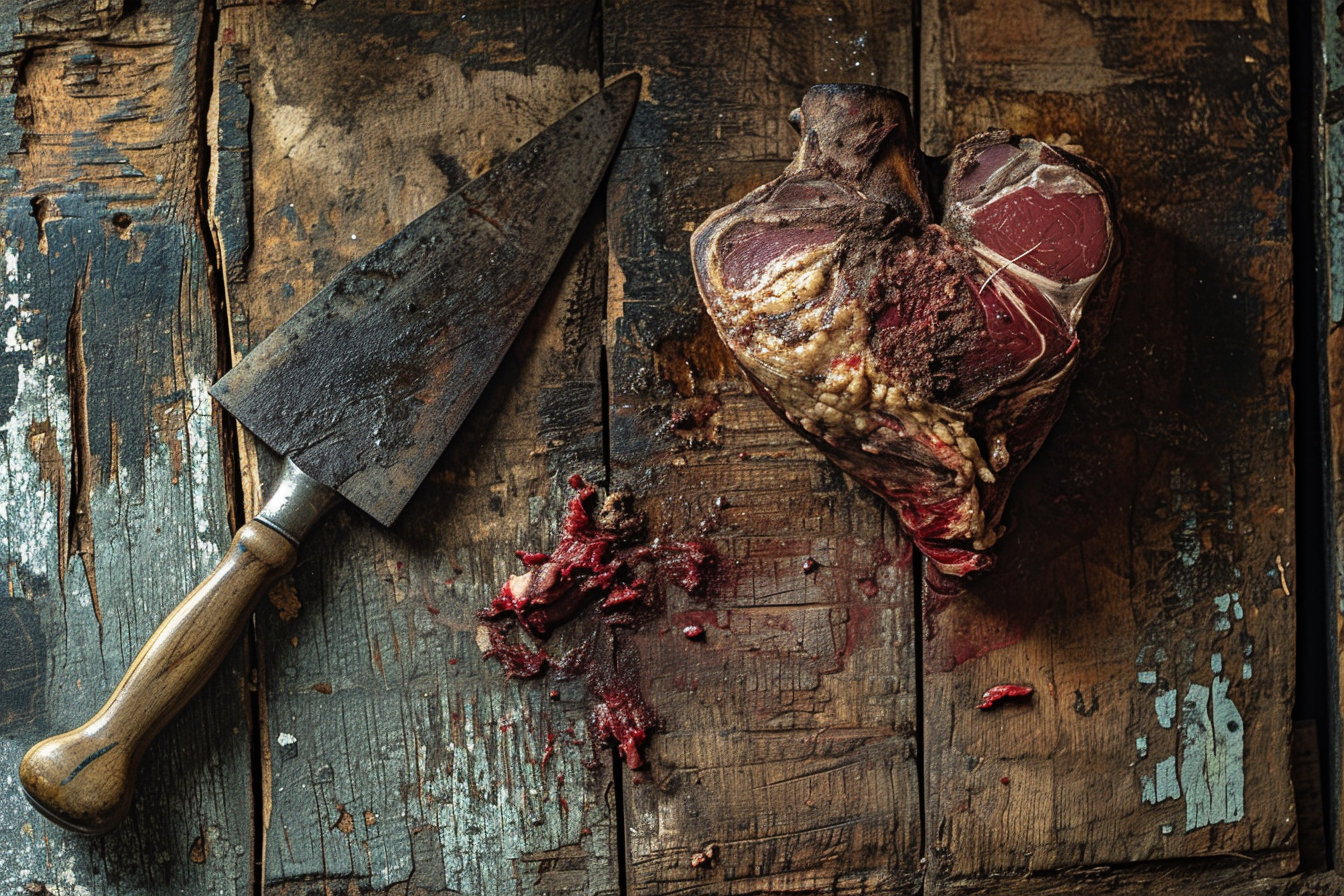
{"x":991,"y":697}
{"x":602,"y":561}
{"x":925,"y":346}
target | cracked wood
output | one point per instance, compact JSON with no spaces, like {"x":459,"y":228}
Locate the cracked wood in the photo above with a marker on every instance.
{"x":112,"y":485}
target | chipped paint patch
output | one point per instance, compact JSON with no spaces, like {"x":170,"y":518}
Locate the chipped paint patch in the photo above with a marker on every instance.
{"x":1206,"y":770}
{"x":30,"y":503}
{"x":462,"y":793}
{"x":200,"y":447}
{"x":1162,"y":785}
{"x":1194,"y":757}
{"x":1212,"y":750}
{"x":1164,"y":704}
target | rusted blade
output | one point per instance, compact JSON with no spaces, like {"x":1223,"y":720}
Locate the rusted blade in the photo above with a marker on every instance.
{"x":363,"y":387}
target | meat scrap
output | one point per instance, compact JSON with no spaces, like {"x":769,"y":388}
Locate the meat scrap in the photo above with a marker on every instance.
{"x":919,"y":323}
{"x":600,"y":560}
{"x":601,"y":564}
{"x":588,"y":565}
{"x":999,"y":692}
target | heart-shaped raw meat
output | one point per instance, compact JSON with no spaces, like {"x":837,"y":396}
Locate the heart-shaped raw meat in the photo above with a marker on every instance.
{"x":927,"y":359}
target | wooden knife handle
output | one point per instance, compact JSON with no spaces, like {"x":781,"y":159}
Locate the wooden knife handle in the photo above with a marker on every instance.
{"x":83,"y":779}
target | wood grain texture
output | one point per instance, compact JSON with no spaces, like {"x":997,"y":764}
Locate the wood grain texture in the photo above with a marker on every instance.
{"x":1327,"y":107}
{"x":1194,"y":877}
{"x":1145,"y":590}
{"x":112,"y":488}
{"x":395,"y":756}
{"x":786,"y":757}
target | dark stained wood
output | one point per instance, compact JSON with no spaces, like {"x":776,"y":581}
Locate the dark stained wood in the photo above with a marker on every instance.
{"x":395,"y":756}
{"x":112,"y":486}
{"x":1327,"y":106}
{"x":1146,"y":588}
{"x":1190,"y":877}
{"x":1312,"y":834}
{"x":786,"y":757}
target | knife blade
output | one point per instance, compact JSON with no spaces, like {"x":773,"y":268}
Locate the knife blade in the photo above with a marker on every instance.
{"x":361,"y":391}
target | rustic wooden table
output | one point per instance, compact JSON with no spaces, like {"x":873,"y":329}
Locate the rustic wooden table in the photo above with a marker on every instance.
{"x":179,"y":178}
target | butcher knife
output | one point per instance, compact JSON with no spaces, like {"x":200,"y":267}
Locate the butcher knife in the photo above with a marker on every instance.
{"x":360,"y":391}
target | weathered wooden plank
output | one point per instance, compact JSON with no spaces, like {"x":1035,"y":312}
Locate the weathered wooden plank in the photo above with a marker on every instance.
{"x":1327,"y":109}
{"x":786,"y":756}
{"x":395,"y":756}
{"x":1193,"y":877}
{"x":111,"y":488}
{"x":1146,"y":588}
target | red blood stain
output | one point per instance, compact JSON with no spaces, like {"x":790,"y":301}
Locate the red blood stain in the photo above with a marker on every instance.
{"x":961,"y":624}
{"x":991,"y":697}
{"x":696,"y":414}
{"x":624,"y":717}
{"x":518,"y":660}
{"x":549,"y":751}
{"x":432,"y":609}
{"x":1004,"y":780}
{"x":860,"y":621}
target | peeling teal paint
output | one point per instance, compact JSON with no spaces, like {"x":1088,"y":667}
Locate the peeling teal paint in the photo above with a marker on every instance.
{"x":1187,"y":540}
{"x":1165,"y":705}
{"x":1225,"y":604}
{"x":1206,"y":769}
{"x":1212,"y":753}
{"x":1163,"y":785}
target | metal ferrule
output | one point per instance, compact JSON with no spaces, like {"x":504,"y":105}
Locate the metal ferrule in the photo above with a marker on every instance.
{"x":297,"y":503}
